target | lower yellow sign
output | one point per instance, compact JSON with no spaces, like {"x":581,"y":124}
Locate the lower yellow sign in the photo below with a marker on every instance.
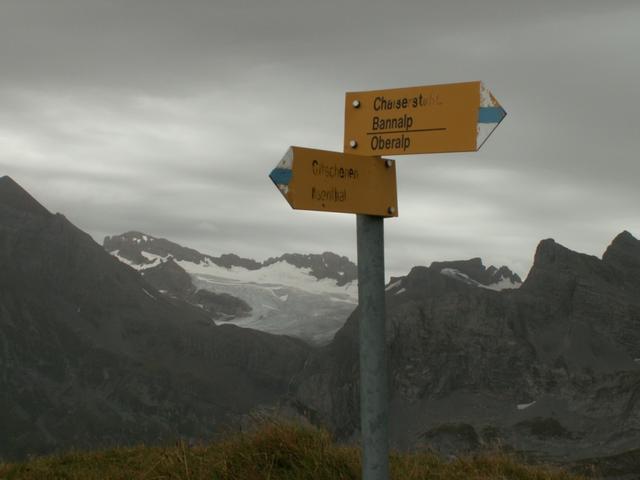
{"x":337,"y":182}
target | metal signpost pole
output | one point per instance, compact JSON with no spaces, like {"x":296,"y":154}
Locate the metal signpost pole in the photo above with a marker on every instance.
{"x":374,"y":389}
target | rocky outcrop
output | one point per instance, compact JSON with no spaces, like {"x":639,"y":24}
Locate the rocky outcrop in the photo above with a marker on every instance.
{"x":130,"y":245}
{"x":325,"y":265}
{"x":623,"y":255}
{"x":171,"y":279}
{"x":474,"y":272}
{"x":221,"y":306}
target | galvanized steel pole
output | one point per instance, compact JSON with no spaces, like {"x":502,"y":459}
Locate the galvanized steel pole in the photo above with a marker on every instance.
{"x":374,"y":390}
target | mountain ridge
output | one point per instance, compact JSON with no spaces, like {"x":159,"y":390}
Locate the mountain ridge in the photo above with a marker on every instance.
{"x":548,"y":368}
{"x":306,"y":296}
{"x":92,"y":354}
{"x":325,"y":265}
{"x":473,"y":272}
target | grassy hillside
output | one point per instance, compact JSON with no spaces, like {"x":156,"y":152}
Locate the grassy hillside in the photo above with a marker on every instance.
{"x":274,"y":451}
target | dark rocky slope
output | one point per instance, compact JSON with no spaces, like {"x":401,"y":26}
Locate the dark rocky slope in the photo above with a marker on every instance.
{"x":91,"y":354}
{"x":548,"y":368}
{"x":172,"y":280}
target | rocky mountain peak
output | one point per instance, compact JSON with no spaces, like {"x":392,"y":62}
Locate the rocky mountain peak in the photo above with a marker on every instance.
{"x":169,"y":277}
{"x":145,"y":251}
{"x":136,"y":246}
{"x":473,"y":272}
{"x":555,"y":263}
{"x":625,"y":236}
{"x":324,"y":265}
{"x":131,"y":244}
{"x":549,"y":252}
{"x":15,"y":197}
{"x":624,"y":255}
{"x":229,"y":260}
{"x":624,"y":245}
{"x":555,"y":268}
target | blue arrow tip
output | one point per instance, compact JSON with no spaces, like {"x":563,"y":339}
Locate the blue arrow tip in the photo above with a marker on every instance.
{"x":281,"y":176}
{"x":491,"y":114}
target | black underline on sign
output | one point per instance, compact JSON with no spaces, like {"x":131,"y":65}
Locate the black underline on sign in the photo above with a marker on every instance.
{"x":409,"y":131}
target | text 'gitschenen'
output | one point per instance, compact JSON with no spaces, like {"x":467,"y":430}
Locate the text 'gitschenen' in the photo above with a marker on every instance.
{"x":335,"y":172}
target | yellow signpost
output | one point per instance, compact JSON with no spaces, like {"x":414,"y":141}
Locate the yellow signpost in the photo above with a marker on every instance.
{"x":456,"y":117}
{"x":326,"y":181}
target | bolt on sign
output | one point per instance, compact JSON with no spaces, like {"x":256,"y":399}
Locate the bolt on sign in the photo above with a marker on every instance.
{"x":455,"y":117}
{"x":326,"y":181}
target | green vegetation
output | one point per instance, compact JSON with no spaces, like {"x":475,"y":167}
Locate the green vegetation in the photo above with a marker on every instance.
{"x":274,"y":451}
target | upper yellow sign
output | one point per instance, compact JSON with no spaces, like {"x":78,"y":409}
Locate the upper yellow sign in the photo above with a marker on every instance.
{"x":337,"y":182}
{"x":456,"y":117}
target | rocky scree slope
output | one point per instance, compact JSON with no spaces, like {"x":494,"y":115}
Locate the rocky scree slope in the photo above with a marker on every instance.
{"x":550,"y":368}
{"x":92,"y":355}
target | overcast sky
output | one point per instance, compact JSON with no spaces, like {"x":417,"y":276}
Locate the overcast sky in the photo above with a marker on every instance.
{"x":167,"y":116}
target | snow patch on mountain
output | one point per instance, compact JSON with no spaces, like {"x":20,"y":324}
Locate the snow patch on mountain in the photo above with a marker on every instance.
{"x":502,"y":284}
{"x":524,"y":406}
{"x":458,"y":275}
{"x":393,"y":285}
{"x":309,"y":296}
{"x":285,"y":298}
{"x":154,"y":260}
{"x":277,"y":274}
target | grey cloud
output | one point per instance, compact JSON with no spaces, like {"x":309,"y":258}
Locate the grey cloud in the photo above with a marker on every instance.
{"x":167,"y":116}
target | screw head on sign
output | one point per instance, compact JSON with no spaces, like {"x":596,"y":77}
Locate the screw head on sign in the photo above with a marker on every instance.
{"x":388,"y":163}
{"x":391,"y":210}
{"x":353,"y":143}
{"x":356,"y":104}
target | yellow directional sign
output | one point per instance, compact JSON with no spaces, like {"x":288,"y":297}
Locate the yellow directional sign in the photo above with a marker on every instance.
{"x":456,"y":117}
{"x":326,"y":181}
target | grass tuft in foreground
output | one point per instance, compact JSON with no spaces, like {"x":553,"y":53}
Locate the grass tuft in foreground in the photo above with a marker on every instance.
{"x":274,"y":451}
